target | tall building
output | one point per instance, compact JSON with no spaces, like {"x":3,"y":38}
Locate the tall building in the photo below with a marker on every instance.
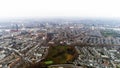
{"x":14,"y":28}
{"x":93,"y":27}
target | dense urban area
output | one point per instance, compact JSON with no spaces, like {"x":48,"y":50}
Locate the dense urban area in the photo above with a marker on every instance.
{"x":60,"y":43}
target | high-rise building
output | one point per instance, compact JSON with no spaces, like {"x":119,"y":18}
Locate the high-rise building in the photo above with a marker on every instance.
{"x":93,"y":27}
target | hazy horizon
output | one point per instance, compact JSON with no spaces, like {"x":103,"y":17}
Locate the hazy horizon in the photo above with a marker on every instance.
{"x":61,"y":8}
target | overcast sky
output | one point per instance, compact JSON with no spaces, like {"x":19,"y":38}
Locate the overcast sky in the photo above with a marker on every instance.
{"x":59,"y":8}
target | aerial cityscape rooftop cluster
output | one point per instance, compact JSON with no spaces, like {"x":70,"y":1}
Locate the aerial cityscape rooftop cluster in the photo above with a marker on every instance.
{"x":60,"y":43}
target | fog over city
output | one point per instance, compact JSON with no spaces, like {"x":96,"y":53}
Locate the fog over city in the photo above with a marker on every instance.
{"x":59,"y":34}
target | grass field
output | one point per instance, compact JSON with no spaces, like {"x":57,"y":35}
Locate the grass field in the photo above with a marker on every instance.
{"x":61,"y":54}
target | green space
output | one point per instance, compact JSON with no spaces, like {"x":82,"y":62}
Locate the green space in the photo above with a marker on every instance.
{"x":48,"y":62}
{"x":59,"y":55}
